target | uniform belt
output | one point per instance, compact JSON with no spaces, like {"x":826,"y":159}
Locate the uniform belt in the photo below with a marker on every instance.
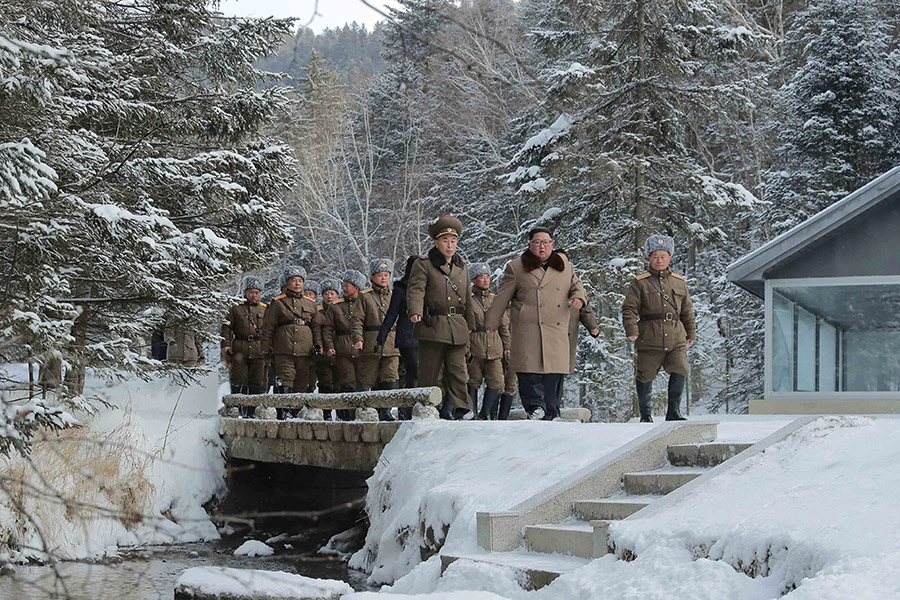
{"x":249,"y":338}
{"x":481,"y":329}
{"x":300,"y":322}
{"x":342,"y":332}
{"x":659,"y":317}
{"x":373,"y":328}
{"x":452,"y":310}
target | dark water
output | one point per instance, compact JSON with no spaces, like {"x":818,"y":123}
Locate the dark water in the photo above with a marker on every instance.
{"x":149,"y":573}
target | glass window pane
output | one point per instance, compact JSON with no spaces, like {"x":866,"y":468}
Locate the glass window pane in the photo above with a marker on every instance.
{"x":782,"y":344}
{"x":806,"y":351}
{"x":827,"y":357}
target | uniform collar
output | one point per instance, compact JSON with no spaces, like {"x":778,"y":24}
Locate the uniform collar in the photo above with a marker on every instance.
{"x":291,"y":294}
{"x":381,"y":290}
{"x":480,"y":292}
{"x":661,"y":274}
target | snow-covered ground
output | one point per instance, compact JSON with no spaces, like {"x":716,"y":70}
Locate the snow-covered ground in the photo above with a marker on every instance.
{"x":812,"y":517}
{"x":141,"y":472}
{"x":248,"y":583}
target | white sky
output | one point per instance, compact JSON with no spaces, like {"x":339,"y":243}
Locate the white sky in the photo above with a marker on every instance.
{"x":330,"y":13}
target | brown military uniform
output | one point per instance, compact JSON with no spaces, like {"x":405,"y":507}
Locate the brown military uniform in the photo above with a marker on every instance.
{"x":325,"y":368}
{"x":440,"y":293}
{"x":287,"y":332}
{"x":183,"y":347}
{"x":242,"y":333}
{"x":374,"y":366}
{"x":658,"y":309}
{"x":486,"y":348}
{"x":336,"y":335}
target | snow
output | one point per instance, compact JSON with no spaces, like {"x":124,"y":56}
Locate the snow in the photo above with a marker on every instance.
{"x":253,"y":548}
{"x":259,"y":584}
{"x":558,"y":129}
{"x":155,"y":453}
{"x":441,"y":474}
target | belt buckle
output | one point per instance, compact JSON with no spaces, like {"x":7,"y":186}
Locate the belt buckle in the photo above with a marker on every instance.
{"x":669,"y":317}
{"x":451,"y":310}
{"x":250,"y":338}
{"x":299,"y":322}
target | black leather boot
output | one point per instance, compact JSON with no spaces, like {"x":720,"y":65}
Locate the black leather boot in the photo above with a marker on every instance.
{"x":473,"y":395}
{"x":446,"y":409}
{"x":283,"y":413}
{"x":505,"y":406}
{"x":346,"y":414}
{"x":676,"y":388}
{"x":643,"y":391}
{"x":384,"y":414}
{"x":490,"y":404}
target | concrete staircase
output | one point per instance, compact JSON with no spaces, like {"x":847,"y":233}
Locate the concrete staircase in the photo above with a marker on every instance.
{"x":591,"y":516}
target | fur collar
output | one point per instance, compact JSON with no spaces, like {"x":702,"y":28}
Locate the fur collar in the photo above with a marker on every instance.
{"x":438,"y":260}
{"x":532,"y":262}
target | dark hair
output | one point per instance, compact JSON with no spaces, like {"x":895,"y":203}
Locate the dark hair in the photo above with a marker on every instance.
{"x":538,"y":230}
{"x":408,"y":270}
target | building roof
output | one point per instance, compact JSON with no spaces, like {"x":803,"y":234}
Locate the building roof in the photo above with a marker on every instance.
{"x":751,"y":270}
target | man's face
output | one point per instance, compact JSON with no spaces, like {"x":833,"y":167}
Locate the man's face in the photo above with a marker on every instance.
{"x":482,"y":282}
{"x":350,"y":290}
{"x":329,"y":296}
{"x":311,"y":295}
{"x":659,"y":260}
{"x":381,"y":278}
{"x":541,"y":245}
{"x":446,"y":245}
{"x":252,"y":295}
{"x":295,"y":284}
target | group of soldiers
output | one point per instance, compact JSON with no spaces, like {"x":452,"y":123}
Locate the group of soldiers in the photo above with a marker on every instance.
{"x":441,"y":325}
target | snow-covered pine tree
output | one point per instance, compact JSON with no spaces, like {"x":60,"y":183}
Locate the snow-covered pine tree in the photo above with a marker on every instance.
{"x":132,"y":179}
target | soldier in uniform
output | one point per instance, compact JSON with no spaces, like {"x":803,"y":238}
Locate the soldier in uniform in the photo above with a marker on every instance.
{"x":326,"y":372}
{"x":336,"y":335}
{"x":242,"y":341}
{"x":378,"y":364}
{"x":437,"y":299}
{"x":486,"y":348}
{"x":311,"y":291}
{"x":658,"y":316}
{"x":287,"y":333}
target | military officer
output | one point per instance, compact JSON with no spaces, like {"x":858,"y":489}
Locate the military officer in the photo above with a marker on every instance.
{"x":242,"y":340}
{"x":486,"y":348}
{"x":377,"y":364}
{"x":437,"y":299}
{"x":658,"y":316}
{"x":325,"y":372}
{"x":336,"y":334}
{"x":287,"y":332}
{"x":311,"y":291}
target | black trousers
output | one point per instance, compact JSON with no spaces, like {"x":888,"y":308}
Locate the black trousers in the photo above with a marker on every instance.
{"x":410,"y":359}
{"x":541,"y":390}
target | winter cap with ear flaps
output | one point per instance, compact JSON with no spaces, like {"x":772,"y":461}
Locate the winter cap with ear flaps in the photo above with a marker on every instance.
{"x":659,"y":241}
{"x":292,"y":272}
{"x":251,"y":282}
{"x":356,"y":278}
{"x":381,"y":264}
{"x":476,"y":269}
{"x":311,"y":286}
{"x":330,"y":284}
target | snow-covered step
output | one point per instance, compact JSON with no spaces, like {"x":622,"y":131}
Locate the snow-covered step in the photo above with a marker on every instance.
{"x":704,"y":455}
{"x":575,"y":538}
{"x":612,"y":509}
{"x":537,"y":569}
{"x":660,"y":481}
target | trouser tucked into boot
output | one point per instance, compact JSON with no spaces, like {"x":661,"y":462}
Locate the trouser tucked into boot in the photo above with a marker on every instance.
{"x":644,"y":389}
{"x":490,"y":405}
{"x":505,"y":406}
{"x":676,"y":388}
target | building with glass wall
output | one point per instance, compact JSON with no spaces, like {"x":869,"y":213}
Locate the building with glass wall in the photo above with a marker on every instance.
{"x":831,"y":288}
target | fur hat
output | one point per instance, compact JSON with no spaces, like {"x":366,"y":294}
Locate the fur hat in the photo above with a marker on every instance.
{"x":356,"y":278}
{"x":251,"y":282}
{"x":292,"y":272}
{"x":659,"y":241}
{"x":380,"y":264}
{"x":311,"y":286}
{"x":329,"y":284}
{"x":445,"y":226}
{"x":476,"y":269}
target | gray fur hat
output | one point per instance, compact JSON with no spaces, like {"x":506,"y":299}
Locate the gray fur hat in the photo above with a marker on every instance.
{"x":476,"y":269}
{"x":356,"y":278}
{"x":311,"y":286}
{"x":330,"y":284}
{"x":293,"y":271}
{"x":378,"y":265}
{"x":659,"y":241}
{"x":251,"y":282}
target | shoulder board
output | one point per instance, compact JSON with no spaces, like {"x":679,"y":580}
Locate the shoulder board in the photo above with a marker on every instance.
{"x":677,"y":276}
{"x":241,"y":302}
{"x":263,"y":304}
{"x":643,"y":276}
{"x":423,"y":258}
{"x":338,"y":301}
{"x":472,"y":294}
{"x":366,"y":291}
{"x":321,"y":308}
{"x":492,"y":294}
{"x":279,"y":297}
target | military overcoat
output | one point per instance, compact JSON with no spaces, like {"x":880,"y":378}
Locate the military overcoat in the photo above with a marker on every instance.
{"x":484,"y":343}
{"x":658,"y":309}
{"x":242,"y":329}
{"x":440,"y":293}
{"x":366,"y":320}
{"x":287,"y":325}
{"x":336,"y":330}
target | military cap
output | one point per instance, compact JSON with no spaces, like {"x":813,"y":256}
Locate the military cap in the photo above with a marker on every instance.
{"x":660,"y":241}
{"x":476,"y":269}
{"x":381,"y":264}
{"x":329,"y":284}
{"x":311,"y":286}
{"x":293,"y":271}
{"x":356,"y":278}
{"x":445,"y":226}
{"x":251,"y":282}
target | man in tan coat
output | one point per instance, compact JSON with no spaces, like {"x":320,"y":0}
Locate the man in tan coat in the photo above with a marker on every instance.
{"x":378,"y":365}
{"x":539,"y":286}
{"x":486,"y":348}
{"x":287,"y":333}
{"x":658,"y":316}
{"x":242,"y":341}
{"x":437,"y":299}
{"x":336,"y":335}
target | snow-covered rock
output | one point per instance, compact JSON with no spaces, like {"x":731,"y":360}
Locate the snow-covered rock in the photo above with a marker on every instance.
{"x":253,"y":548}
{"x":237,"y":584}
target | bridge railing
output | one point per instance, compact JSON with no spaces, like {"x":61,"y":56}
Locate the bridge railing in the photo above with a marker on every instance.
{"x":311,"y":407}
